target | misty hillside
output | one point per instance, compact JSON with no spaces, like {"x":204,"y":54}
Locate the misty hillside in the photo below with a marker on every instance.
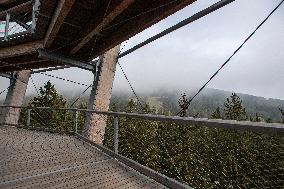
{"x":204,"y":104}
{"x":166,"y":102}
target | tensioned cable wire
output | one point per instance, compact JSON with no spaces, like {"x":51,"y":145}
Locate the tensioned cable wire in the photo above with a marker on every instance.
{"x":64,"y":79}
{"x":5,"y":89}
{"x":78,"y":98}
{"x":130,"y":85}
{"x":43,"y":115}
{"x":128,"y":81}
{"x":236,"y":51}
{"x":68,"y":80}
{"x":34,"y":85}
{"x":49,"y":75}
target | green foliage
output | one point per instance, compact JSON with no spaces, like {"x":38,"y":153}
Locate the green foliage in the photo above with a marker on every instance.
{"x":60,"y":120}
{"x":282,"y":114}
{"x":48,"y":97}
{"x":268,"y":120}
{"x":132,"y":106}
{"x":234,"y":109}
{"x":257,"y":118}
{"x":137,"y":138}
{"x":183,"y":103}
{"x":217,"y":114}
{"x":81,"y":117}
{"x":201,"y":157}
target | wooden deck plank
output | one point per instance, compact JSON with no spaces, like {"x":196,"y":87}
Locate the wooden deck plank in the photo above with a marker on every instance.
{"x":35,"y":159}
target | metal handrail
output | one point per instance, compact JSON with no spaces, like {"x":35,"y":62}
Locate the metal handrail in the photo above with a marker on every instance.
{"x":261,"y":127}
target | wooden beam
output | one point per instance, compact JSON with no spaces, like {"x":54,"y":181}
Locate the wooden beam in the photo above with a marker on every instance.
{"x":20,"y":64}
{"x":62,"y":10}
{"x":96,"y":30}
{"x":5,"y":1}
{"x":17,"y":50}
{"x":131,"y":28}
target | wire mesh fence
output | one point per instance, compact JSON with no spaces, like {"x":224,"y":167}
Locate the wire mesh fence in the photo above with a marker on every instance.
{"x":56,"y":120}
{"x":204,"y":157}
{"x":200,"y":153}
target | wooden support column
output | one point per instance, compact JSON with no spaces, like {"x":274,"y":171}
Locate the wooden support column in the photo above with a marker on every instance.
{"x":15,"y":97}
{"x":100,"y":95}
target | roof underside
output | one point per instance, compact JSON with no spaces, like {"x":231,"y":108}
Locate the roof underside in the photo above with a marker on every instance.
{"x":82,"y":30}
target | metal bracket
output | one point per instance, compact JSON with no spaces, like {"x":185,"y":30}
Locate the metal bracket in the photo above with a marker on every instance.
{"x":43,"y":53}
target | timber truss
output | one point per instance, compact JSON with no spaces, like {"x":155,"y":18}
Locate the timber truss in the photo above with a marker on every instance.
{"x":61,"y":34}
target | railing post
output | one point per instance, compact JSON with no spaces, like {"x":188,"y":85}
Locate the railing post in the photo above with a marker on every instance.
{"x":115,"y":135}
{"x":75,"y":120}
{"x":29,"y":117}
{"x":7,"y":27}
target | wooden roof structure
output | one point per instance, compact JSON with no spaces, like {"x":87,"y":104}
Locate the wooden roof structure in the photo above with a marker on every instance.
{"x":77,"y":29}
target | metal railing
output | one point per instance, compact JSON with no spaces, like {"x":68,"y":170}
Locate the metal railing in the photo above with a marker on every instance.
{"x":203,"y":153}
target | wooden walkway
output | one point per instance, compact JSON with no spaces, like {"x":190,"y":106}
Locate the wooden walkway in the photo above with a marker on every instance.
{"x":36,"y":159}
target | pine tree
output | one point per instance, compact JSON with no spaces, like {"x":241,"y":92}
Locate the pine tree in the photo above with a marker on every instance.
{"x":234,"y":109}
{"x":282,"y":114}
{"x":183,"y":103}
{"x":132,"y":106}
{"x":48,"y":97}
{"x":216,"y":114}
{"x":257,"y":118}
{"x":49,"y":118}
{"x":268,"y":120}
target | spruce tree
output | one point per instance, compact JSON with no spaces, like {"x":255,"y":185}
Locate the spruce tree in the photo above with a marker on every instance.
{"x":282,"y":114}
{"x":183,"y":103}
{"x":132,"y":106}
{"x":49,"y":118}
{"x":257,"y":118}
{"x":216,"y":114}
{"x":268,"y":120}
{"x":234,"y":109}
{"x":48,"y":97}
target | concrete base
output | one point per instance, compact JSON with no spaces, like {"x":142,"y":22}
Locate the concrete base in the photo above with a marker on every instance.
{"x":15,"y":97}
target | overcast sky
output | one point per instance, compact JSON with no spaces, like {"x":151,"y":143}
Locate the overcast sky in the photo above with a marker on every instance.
{"x":186,"y":58}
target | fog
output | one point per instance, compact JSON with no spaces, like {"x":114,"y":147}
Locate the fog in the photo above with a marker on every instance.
{"x":186,"y":58}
